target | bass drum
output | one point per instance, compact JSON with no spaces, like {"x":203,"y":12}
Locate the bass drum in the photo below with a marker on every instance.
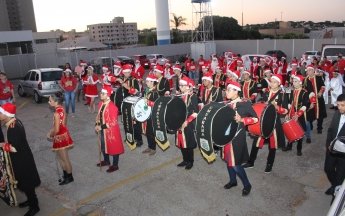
{"x":176,"y":113}
{"x":266,"y":120}
{"x":141,"y":111}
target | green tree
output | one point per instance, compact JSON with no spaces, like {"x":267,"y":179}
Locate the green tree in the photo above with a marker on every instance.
{"x":177,"y":21}
{"x":226,"y":28}
{"x":151,"y":39}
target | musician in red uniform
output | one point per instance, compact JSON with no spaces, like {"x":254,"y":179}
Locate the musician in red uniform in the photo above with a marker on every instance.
{"x":298,"y":105}
{"x":163,"y":86}
{"x":266,"y":80}
{"x":249,"y":87}
{"x":277,"y":140}
{"x":179,"y":75}
{"x":236,"y":152}
{"x":185,"y":139}
{"x":151,"y":95}
{"x":108,"y":127}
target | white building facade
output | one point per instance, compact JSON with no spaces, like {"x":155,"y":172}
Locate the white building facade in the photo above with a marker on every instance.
{"x":115,"y":32}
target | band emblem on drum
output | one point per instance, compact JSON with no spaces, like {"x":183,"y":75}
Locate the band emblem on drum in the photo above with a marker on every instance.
{"x":160,"y":135}
{"x":129,"y":137}
{"x":204,"y":144}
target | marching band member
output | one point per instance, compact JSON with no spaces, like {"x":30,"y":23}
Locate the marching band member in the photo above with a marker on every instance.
{"x":336,"y":88}
{"x":185,"y":139}
{"x":90,"y":81}
{"x":249,"y":87}
{"x":318,"y":87}
{"x":236,"y":152}
{"x":163,"y":86}
{"x":298,"y":105}
{"x":168,"y":74}
{"x":151,"y":95}
{"x":130,"y":87}
{"x":138,"y":72}
{"x":23,"y":167}
{"x":219,"y":79}
{"x":210,"y":93}
{"x":61,"y":136}
{"x":179,"y":75}
{"x":108,"y":127}
{"x":235,"y":75}
{"x":266,"y":80}
{"x":201,"y":87}
{"x":277,"y":139}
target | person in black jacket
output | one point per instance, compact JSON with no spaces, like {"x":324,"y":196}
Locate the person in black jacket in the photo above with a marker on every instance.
{"x":335,"y":163}
{"x":22,"y":160}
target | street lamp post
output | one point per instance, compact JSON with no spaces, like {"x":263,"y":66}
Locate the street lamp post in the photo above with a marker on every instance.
{"x":8,"y":53}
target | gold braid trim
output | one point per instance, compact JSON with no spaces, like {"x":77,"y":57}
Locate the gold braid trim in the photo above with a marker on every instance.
{"x":163,"y":146}
{"x":131,"y":147}
{"x":209,"y":158}
{"x":61,"y":137}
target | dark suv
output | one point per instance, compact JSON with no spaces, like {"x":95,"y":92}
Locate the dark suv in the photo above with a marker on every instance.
{"x":279,"y":53}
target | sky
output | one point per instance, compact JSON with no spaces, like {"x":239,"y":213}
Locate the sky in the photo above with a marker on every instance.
{"x":77,"y":14}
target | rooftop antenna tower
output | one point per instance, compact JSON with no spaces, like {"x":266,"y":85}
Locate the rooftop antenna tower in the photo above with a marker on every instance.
{"x":202,"y":24}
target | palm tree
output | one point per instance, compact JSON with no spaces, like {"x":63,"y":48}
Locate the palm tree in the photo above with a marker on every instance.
{"x":178,"y":21}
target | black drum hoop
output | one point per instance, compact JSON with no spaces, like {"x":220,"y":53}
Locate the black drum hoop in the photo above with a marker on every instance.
{"x":172,"y":98}
{"x":261,"y":121}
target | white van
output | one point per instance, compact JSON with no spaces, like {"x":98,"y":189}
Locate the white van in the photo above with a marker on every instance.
{"x":332,"y":51}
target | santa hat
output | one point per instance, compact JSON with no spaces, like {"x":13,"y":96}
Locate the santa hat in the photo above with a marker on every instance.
{"x":152,"y":78}
{"x":106,"y":68}
{"x":167,"y":64}
{"x":236,"y":73}
{"x":234,"y":55}
{"x":230,"y":51}
{"x":277,"y":77}
{"x":137,"y":61}
{"x":67,"y":71}
{"x":127,"y":68}
{"x":107,"y":89}
{"x":185,"y":81}
{"x":158,"y":69}
{"x":117,"y":64}
{"x":205,"y":67}
{"x":274,"y":55}
{"x":192,"y":84}
{"x":310,"y":67}
{"x":246,"y":72}
{"x":83,"y":63}
{"x":262,"y":59}
{"x":90,"y":67}
{"x":267,"y":70}
{"x":8,"y":109}
{"x":299,"y":77}
{"x":234,"y":85}
{"x":239,"y":60}
{"x":293,"y":63}
{"x":255,"y":58}
{"x":177,"y":67}
{"x":207,"y":76}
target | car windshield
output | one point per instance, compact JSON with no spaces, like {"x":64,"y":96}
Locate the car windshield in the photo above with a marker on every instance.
{"x":270,"y":52}
{"x":123,"y":57}
{"x":143,"y":57}
{"x":309,"y":53}
{"x":333,"y":51}
{"x":51,"y":75}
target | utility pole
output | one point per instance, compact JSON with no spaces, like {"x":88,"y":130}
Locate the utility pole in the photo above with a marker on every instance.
{"x":242,"y":19}
{"x":281,"y":16}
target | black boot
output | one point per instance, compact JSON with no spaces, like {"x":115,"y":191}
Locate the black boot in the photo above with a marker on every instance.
{"x":68,"y":179}
{"x":24,"y":204}
{"x":64,"y":174}
{"x":288,"y":147}
{"x":246,"y":190}
{"x":34,"y":209}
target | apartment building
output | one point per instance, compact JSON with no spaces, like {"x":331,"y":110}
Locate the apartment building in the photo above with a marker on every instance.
{"x":115,"y":32}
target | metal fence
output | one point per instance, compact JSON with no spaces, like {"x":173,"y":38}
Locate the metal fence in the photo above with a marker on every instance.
{"x":16,"y":66}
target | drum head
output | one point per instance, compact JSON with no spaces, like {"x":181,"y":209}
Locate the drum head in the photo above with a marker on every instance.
{"x":268,"y":120}
{"x":224,"y":127}
{"x":131,"y":99}
{"x":176,"y":113}
{"x":141,"y":111}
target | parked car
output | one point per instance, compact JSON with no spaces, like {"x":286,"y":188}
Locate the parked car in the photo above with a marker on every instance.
{"x":99,"y":62}
{"x":279,"y":53}
{"x":160,"y":58}
{"x":40,"y":83}
{"x":332,"y":51}
{"x":144,"y":61}
{"x":251,"y":56}
{"x":311,"y":54}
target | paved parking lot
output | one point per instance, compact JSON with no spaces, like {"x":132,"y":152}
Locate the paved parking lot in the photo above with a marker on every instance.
{"x":153,"y":185}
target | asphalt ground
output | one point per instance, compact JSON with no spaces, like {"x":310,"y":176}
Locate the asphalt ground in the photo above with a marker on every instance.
{"x":154,"y":185}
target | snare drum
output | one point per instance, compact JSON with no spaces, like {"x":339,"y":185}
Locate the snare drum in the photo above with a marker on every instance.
{"x":141,"y":111}
{"x":293,"y":130}
{"x":266,"y":120}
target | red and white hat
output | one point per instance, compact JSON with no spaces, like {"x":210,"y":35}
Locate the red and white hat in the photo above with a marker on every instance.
{"x":274,"y":55}
{"x":207,"y":76}
{"x":117,"y":64}
{"x":192,"y":84}
{"x":277,"y":77}
{"x":152,"y":78}
{"x":205,"y":67}
{"x":185,"y":81}
{"x":90,"y":67}
{"x":127,"y":68}
{"x":137,"y":61}
{"x":67,"y":71}
{"x":234,"y":55}
{"x":83,"y":63}
{"x":239,"y":61}
{"x":177,"y":67}
{"x":294,"y":63}
{"x":106,"y":68}
{"x":234,"y":85}
{"x":267,"y":70}
{"x":299,"y":77}
{"x":310,"y":67}
{"x":8,"y":109}
{"x":167,"y":64}
{"x":247,"y":72}
{"x":255,"y":58}
{"x":107,"y":89}
{"x":236,"y":73}
{"x":158,"y":69}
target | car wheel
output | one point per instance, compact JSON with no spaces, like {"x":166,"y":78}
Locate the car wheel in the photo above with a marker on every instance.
{"x":37,"y":97}
{"x":21,"y":91}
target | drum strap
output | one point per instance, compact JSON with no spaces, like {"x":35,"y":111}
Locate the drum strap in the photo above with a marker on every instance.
{"x":274,"y":97}
{"x":159,"y":127}
{"x":128,"y":125}
{"x":8,"y":180}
